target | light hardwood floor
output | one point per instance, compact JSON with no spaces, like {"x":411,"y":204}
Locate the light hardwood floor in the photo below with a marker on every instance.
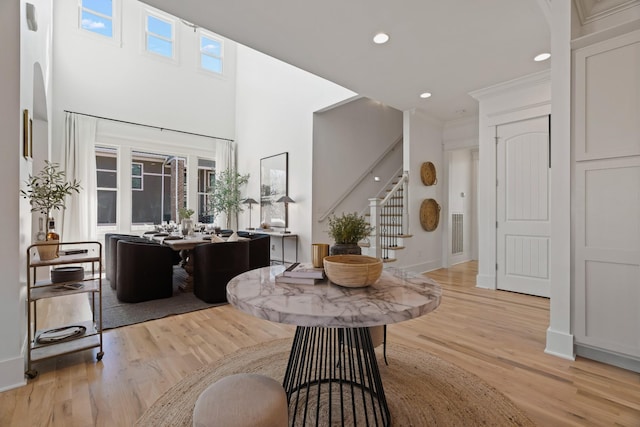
{"x":499,"y":336}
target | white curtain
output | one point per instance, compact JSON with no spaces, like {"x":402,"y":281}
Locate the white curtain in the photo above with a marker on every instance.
{"x":79,"y":219}
{"x":225,"y":159}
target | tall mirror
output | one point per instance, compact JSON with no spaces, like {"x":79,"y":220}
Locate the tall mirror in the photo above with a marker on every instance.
{"x":273,"y":185}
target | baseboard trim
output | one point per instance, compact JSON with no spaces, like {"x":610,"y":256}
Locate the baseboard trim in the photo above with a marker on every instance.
{"x":610,"y":358}
{"x":423,"y":267}
{"x":486,"y":281}
{"x":560,"y":344}
{"x":12,"y":373}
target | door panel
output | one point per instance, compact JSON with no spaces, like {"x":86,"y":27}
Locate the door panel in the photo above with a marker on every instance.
{"x":523,"y":227}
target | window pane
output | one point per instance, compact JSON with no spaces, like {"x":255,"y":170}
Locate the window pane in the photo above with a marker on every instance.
{"x":211,"y":64}
{"x":212,"y":47}
{"x":107,"y":204}
{"x":136,"y":169}
{"x":146,"y":206}
{"x":159,"y":46}
{"x":97,"y":24}
{"x":107,"y":179}
{"x":159,"y":27}
{"x":105,"y":7}
{"x":136,"y":183}
{"x":106,"y":162}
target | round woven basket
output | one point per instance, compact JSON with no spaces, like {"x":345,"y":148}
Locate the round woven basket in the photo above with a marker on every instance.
{"x":428,"y":173}
{"x":429,"y":214}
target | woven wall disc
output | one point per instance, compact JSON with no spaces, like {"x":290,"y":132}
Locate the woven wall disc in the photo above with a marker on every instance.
{"x":428,"y":173}
{"x":429,"y":214}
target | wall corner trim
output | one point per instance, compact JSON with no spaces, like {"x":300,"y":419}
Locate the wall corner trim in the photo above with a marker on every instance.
{"x":560,"y":344}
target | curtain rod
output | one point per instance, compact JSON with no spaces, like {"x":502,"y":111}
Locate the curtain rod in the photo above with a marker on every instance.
{"x":149,"y":126}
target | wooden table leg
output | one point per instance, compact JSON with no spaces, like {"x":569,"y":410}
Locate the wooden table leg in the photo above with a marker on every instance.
{"x":187,"y":264}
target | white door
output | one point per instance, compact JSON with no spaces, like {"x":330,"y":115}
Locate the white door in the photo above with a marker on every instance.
{"x":523,"y":227}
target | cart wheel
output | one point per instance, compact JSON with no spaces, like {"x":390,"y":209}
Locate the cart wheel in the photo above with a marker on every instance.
{"x":31,"y":374}
{"x":99,"y":356}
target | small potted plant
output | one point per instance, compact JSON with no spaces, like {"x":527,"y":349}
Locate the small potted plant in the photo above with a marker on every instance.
{"x":46,"y":192}
{"x":184,"y":215}
{"x":347,"y":230}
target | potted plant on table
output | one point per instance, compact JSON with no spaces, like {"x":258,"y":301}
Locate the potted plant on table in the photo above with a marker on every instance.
{"x":46,"y":192}
{"x":185,"y":219}
{"x":225,"y":196}
{"x":347,"y":230}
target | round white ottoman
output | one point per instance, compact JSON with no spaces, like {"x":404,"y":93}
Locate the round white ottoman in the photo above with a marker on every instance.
{"x":242,"y":400}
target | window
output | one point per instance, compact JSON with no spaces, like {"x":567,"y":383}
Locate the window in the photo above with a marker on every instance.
{"x":206,"y":178}
{"x":136,"y":176}
{"x":107,"y":183}
{"x":159,"y":38}
{"x":211,"y":54}
{"x":96,"y":16}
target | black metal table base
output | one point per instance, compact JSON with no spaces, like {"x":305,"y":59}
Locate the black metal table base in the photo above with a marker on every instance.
{"x":332,"y":378}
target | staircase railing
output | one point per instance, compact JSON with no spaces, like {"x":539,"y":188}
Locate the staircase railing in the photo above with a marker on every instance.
{"x":389,"y":218}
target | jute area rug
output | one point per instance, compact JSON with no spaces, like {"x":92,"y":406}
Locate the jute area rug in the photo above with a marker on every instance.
{"x":421,"y":390}
{"x":116,"y":313}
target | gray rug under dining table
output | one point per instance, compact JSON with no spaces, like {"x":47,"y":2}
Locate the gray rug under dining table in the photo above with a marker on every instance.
{"x":117,"y":314}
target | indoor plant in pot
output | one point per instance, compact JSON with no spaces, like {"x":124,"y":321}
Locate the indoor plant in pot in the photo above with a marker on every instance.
{"x":225,"y":196}
{"x":347,"y":230}
{"x":46,"y":192}
{"x":185,"y":220}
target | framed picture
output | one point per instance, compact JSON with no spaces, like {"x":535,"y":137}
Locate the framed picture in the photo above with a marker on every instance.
{"x":273,"y":185}
{"x":27,"y":128}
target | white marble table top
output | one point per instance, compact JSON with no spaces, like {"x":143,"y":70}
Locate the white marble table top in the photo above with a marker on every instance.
{"x":397,"y":296}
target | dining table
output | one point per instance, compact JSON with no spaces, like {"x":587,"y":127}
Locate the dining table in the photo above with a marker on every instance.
{"x":332,"y":354}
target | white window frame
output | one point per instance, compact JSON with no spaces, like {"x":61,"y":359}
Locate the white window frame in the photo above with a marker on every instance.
{"x":174,"y":35}
{"x":100,"y":151}
{"x":141,"y":176}
{"x":202,"y":33}
{"x":115,"y":23}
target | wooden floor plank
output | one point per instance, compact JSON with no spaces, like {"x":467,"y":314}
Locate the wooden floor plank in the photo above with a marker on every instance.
{"x":499,"y":336}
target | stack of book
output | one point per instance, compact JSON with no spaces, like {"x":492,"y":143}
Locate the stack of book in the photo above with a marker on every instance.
{"x":301,"y":274}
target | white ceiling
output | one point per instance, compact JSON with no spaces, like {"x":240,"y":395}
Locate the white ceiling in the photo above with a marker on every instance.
{"x":446,"y":47}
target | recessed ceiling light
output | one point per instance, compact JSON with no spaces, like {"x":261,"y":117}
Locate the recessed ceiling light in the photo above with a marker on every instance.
{"x":381,"y":38}
{"x":542,"y":57}
{"x":425,"y":95}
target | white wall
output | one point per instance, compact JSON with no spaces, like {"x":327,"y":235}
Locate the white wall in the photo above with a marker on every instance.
{"x":21,"y":49}
{"x":95,"y":75}
{"x":422,"y":143}
{"x":347,"y":141}
{"x":274,"y":114}
{"x":459,"y":201}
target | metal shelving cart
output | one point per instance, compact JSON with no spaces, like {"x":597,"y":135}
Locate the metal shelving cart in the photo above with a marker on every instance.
{"x":65,"y":339}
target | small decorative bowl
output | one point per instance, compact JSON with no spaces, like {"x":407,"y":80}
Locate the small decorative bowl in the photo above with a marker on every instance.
{"x":67,"y":274}
{"x":352,"y":271}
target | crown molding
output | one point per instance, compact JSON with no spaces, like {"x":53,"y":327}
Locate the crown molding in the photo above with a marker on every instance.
{"x":528,"y":81}
{"x":594,"y":10}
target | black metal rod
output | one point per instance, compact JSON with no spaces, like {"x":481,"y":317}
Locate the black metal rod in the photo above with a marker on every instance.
{"x":148,"y":126}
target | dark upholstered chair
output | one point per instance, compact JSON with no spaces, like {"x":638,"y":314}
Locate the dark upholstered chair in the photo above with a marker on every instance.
{"x":110,"y":251}
{"x":259,"y":249}
{"x":214,"y":264}
{"x":145,"y":271}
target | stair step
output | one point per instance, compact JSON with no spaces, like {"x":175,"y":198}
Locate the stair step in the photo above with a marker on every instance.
{"x":393,"y":248}
{"x":389,"y":260}
{"x":364,"y":245}
{"x":402,"y":236}
{"x":390,"y":214}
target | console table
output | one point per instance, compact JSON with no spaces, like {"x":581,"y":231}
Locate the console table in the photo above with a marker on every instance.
{"x":282,"y":237}
{"x":332,"y":352}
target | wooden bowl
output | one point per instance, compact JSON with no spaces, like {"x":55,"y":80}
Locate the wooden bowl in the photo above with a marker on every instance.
{"x":352,"y":271}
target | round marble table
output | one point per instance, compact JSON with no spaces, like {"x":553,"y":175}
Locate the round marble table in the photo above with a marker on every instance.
{"x":332,"y":350}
